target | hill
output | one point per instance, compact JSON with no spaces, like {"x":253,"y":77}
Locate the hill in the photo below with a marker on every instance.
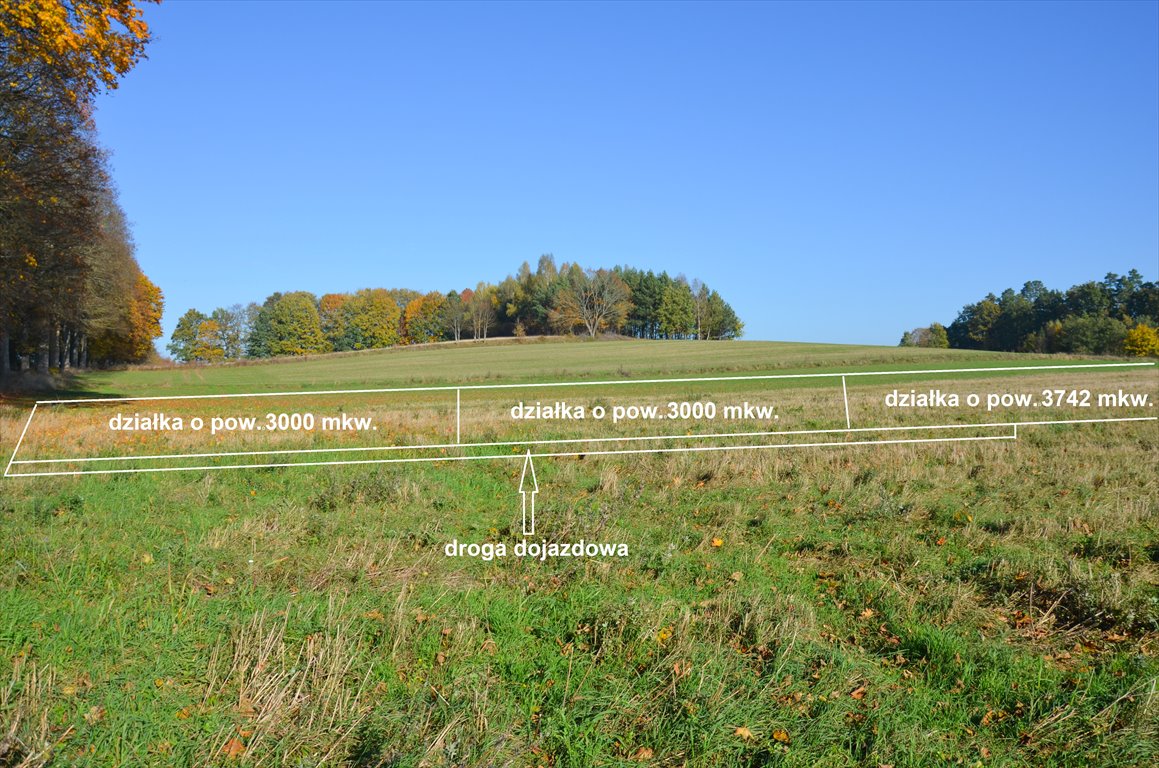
{"x":532,"y":360}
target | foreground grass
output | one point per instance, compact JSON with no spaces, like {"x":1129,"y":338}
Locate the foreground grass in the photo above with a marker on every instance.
{"x":962,"y":604}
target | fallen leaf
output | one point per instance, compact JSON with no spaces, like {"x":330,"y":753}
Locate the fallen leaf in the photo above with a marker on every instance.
{"x":868,"y":613}
{"x":95,"y":715}
{"x":146,"y":558}
{"x":233,"y":748}
{"x":717,"y":542}
{"x":858,"y":693}
{"x":737,"y":577}
{"x":374,"y":615}
{"x":985,"y":752}
{"x":643,"y":753}
{"x":781,"y":736}
{"x":744,"y":733}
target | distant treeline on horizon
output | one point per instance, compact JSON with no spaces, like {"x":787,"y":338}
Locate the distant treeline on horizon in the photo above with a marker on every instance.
{"x":1114,"y":317}
{"x":549,"y":300}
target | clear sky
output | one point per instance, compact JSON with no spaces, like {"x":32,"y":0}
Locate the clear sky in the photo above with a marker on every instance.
{"x":840,"y":172}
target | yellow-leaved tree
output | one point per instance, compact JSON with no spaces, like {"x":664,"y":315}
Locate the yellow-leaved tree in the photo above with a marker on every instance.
{"x":86,"y":45}
{"x":1142,"y":341}
{"x":66,"y":279}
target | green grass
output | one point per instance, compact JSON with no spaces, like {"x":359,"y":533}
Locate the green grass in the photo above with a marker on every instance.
{"x":960,"y":604}
{"x":546,"y":360}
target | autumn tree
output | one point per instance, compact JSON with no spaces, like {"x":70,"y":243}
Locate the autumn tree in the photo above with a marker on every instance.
{"x":85,"y":45}
{"x":481,"y":306}
{"x":67,"y":273}
{"x":183,"y":343}
{"x":595,"y":300}
{"x":370,"y":320}
{"x":331,"y":313}
{"x":423,"y":319}
{"x":295,"y":327}
{"x":131,"y":338}
{"x":1142,"y":341}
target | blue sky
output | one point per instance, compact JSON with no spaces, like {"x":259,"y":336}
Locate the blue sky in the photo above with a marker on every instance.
{"x":840,"y":172}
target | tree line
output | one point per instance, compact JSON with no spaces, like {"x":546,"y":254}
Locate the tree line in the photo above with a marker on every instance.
{"x":71,"y":290}
{"x":1116,"y":316}
{"x":549,"y":300}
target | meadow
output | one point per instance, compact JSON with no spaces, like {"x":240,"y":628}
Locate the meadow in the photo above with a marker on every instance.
{"x":960,"y":603}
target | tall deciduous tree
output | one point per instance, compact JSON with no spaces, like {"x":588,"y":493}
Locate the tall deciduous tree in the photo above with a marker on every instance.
{"x":331,"y":313}
{"x":69,"y":283}
{"x":230,"y":322}
{"x":454,"y":315}
{"x":370,"y":320}
{"x":597,"y":301}
{"x":295,"y":327}
{"x":424,"y":319}
{"x":481,"y":306}
{"x":183,"y":344}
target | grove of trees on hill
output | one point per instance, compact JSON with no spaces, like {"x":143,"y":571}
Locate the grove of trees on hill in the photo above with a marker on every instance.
{"x":562,"y":300}
{"x":1116,"y":316}
{"x":71,"y":291}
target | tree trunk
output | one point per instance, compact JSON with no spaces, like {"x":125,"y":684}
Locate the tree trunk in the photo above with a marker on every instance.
{"x":5,"y":347}
{"x":43,"y":348}
{"x":66,"y":348}
{"x":73,"y":342}
{"x":83,"y":354}
{"x":53,"y":346}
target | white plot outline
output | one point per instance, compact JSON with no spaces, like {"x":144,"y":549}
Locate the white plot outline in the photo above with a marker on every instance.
{"x":23,"y":432}
{"x":578,"y":440}
{"x":458,"y":444}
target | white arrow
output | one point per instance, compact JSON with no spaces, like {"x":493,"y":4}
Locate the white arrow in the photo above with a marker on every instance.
{"x":528,"y":519}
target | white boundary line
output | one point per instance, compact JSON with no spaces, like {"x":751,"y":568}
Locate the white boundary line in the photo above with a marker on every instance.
{"x":578,"y":440}
{"x":23,"y":432}
{"x":636,"y":451}
{"x":458,"y":390}
{"x":614,"y":382}
{"x":845,"y":396}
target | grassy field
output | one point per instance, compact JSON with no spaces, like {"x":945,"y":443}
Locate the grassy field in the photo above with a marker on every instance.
{"x":965,"y":603}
